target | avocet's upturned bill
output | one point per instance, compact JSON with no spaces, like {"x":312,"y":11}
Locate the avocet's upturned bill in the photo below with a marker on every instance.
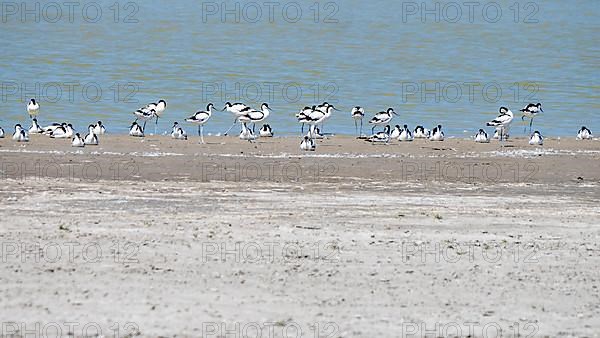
{"x":482,"y":137}
{"x":584,"y":134}
{"x":266,"y":131}
{"x":536,"y":139}
{"x":33,"y":108}
{"x":503,"y":120}
{"x":405,"y":135}
{"x":308,"y":144}
{"x":358,"y":114}
{"x":99,"y":128}
{"x":421,"y":132}
{"x":91,"y":138}
{"x":437,"y":134}
{"x":77,"y":141}
{"x":381,"y":118}
{"x":531,"y":111}
{"x":136,"y":130}
{"x":35,"y":127}
{"x":177,"y":132}
{"x":20,"y":135}
{"x":200,"y":118}
{"x":381,"y":137}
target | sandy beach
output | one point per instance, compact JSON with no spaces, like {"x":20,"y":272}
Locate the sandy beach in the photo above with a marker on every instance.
{"x":161,"y":237}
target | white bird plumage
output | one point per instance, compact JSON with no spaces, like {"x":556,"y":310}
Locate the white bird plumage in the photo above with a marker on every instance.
{"x":584,"y":134}
{"x":437,"y":134}
{"x":136,"y":130}
{"x":20,"y":135}
{"x":482,"y":137}
{"x":99,"y":128}
{"x":266,"y":131}
{"x":63,"y":132}
{"x":503,"y":121}
{"x":35,"y":127}
{"x":405,"y":135}
{"x":200,"y":118}
{"x":381,"y":137}
{"x":33,"y":108}
{"x":77,"y":141}
{"x":177,"y":132}
{"x":536,"y":139}
{"x":358,"y":113}
{"x":91,"y":138}
{"x":381,"y":118}
{"x":308,"y":144}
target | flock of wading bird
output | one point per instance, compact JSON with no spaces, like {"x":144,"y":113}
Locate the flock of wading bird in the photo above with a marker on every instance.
{"x":313,"y":116}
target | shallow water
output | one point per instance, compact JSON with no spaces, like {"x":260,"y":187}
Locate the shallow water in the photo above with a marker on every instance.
{"x":375,"y":54}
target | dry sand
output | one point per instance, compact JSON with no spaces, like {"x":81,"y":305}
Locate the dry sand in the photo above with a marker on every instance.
{"x":160,"y":237}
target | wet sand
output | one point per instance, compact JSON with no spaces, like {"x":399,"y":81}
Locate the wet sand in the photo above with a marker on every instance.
{"x":162,"y":237}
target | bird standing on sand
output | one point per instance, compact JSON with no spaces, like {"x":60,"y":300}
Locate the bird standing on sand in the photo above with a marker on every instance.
{"x":144,"y":115}
{"x":237,"y":109}
{"x":536,"y":139}
{"x":405,"y":134}
{"x":177,"y":132}
{"x":20,"y":135}
{"x":396,"y":132}
{"x":35,"y":127}
{"x":358,"y":113}
{"x":531,"y":111}
{"x":247,"y":134}
{"x":266,"y":131}
{"x":503,"y":121}
{"x":99,"y":128}
{"x":421,"y":132}
{"x":63,"y":132}
{"x":584,"y":134}
{"x":253,"y":116}
{"x":33,"y":108}
{"x":200,"y":118}
{"x":302,"y":116}
{"x":382,"y":118}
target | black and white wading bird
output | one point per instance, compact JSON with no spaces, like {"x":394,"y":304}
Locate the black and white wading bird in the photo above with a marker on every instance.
{"x":531,"y":112}
{"x":396,"y":132}
{"x":536,"y":139}
{"x":1,"y":132}
{"x":303,"y":118}
{"x":382,"y":136}
{"x":265,"y":131}
{"x":308,"y":144}
{"x":421,"y":132}
{"x":136,"y":130}
{"x":405,"y":134}
{"x":77,"y":141}
{"x":254,"y":116}
{"x":20,"y":135}
{"x":584,"y":134}
{"x":177,"y":132}
{"x":144,"y":115}
{"x":246,"y":134}
{"x":502,"y":121}
{"x":99,"y":128}
{"x":33,"y":108}
{"x":382,"y":118}
{"x":237,"y":109}
{"x":324,"y":108}
{"x":91,"y":138}
{"x":358,"y":114}
{"x":63,"y":131}
{"x":437,"y":134}
{"x":200,"y":118}
{"x":35,"y":127}
{"x":482,"y":137}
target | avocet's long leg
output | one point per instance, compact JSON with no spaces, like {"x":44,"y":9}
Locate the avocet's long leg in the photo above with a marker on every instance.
{"x":228,"y":130}
{"x":155,"y":124}
{"x":356,"y":126}
{"x":202,"y":134}
{"x":361,"y":126}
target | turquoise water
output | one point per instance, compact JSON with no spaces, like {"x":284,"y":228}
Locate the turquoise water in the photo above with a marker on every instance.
{"x":376,"y":54}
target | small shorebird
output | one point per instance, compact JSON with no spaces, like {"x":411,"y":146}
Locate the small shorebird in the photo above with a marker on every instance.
{"x":77,"y":141}
{"x":503,"y":120}
{"x":63,"y":132}
{"x":421,"y":132}
{"x":382,"y":118}
{"x":536,"y":139}
{"x":200,"y":118}
{"x":308,"y":144}
{"x":265,"y":131}
{"x":33,"y":108}
{"x":253,"y":116}
{"x":405,"y":135}
{"x":1,"y":132}
{"x":35,"y":127}
{"x":482,"y":137}
{"x":20,"y":135}
{"x":584,"y":134}
{"x":99,"y":128}
{"x":91,"y":138}
{"x":396,"y":132}
{"x":49,"y":129}
{"x":237,"y":109}
{"x":136,"y":130}
{"x":358,"y":113}
{"x":316,"y":116}
{"x":247,"y":134}
{"x":178,"y":133}
{"x":531,"y":111}
{"x":144,"y":115}
{"x":437,"y":134}
{"x":382,"y":136}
